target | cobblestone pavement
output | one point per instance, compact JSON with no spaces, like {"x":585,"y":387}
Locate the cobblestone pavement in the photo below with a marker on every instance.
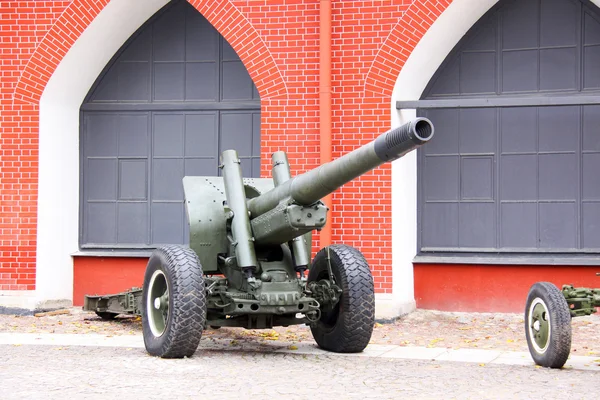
{"x":421,"y":355}
{"x":421,"y":328}
{"x":57,"y":372}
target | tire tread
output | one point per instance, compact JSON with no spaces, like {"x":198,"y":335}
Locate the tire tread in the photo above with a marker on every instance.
{"x":355,"y":325}
{"x":560,"y":319}
{"x":188,"y":313}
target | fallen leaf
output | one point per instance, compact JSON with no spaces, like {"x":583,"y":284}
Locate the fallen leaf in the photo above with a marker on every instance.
{"x":292,"y":347}
{"x":272,"y":335}
{"x":434,"y":341}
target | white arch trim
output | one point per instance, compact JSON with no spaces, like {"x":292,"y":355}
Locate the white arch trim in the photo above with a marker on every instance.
{"x":416,"y":73}
{"x":58,"y":193}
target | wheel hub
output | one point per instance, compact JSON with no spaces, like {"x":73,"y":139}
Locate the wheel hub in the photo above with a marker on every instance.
{"x":539,"y":325}
{"x":158,"y":303}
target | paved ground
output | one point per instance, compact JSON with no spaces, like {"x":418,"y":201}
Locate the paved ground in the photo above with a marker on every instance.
{"x":423,"y":355}
{"x":422,"y":328}
{"x":217,"y":369}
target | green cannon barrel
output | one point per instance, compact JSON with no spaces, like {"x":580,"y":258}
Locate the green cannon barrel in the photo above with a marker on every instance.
{"x":310,"y":187}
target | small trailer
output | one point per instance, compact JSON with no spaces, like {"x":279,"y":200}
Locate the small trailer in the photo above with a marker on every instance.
{"x":548,"y":316}
{"x":249,"y":253}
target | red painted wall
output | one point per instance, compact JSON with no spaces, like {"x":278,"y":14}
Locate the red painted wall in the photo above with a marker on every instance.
{"x":106,"y":275}
{"x":485,"y":288}
{"x":278,"y":42}
{"x":445,"y":287}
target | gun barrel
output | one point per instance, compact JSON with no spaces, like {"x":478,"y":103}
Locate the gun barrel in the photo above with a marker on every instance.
{"x":310,"y":187}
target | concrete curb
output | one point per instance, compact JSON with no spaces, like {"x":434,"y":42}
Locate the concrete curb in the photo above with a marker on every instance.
{"x":479,"y":356}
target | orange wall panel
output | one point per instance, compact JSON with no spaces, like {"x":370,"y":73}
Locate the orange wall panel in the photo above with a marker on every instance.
{"x":487,"y":288}
{"x":106,"y":275}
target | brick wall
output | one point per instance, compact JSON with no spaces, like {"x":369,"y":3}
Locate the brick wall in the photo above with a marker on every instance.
{"x":23,"y":25}
{"x":279,"y":43}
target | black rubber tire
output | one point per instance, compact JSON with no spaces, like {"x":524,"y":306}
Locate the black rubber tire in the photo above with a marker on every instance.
{"x":107,"y":316}
{"x":556,"y":348}
{"x":186,"y":306}
{"x":348,"y":327}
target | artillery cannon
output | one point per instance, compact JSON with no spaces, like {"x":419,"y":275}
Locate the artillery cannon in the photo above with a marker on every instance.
{"x":548,"y":314}
{"x":249,"y":251}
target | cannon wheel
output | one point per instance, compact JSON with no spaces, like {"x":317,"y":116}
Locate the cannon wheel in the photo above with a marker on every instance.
{"x":548,"y":325}
{"x":173,"y":302}
{"x":347,"y":327}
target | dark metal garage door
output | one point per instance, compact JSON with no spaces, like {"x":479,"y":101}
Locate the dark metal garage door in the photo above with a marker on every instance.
{"x":171,"y":100}
{"x":515,"y":165}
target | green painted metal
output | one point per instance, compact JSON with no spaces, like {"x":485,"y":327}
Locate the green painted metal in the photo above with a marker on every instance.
{"x":207,"y":215}
{"x":120,"y":303}
{"x":540,"y":326}
{"x":581,"y":301}
{"x":158,"y":303}
{"x":257,"y":233}
{"x":281,"y":174}
{"x":241,"y":232}
{"x":253,"y":237}
{"x":310,"y":187}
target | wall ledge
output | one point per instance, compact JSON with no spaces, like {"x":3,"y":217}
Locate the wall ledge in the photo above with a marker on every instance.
{"x":508,"y":259}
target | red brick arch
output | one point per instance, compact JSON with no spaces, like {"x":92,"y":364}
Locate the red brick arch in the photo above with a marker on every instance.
{"x":245,"y":40}
{"x":399,"y":44}
{"x":224,"y":16}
